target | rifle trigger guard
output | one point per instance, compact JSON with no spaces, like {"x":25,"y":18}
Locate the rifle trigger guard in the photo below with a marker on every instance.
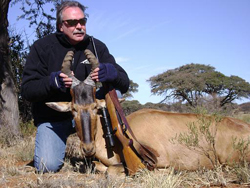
{"x":124,"y":127}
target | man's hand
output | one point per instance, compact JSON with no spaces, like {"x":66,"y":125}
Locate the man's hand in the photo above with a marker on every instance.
{"x":106,"y":72}
{"x":59,"y":80}
{"x":66,"y":80}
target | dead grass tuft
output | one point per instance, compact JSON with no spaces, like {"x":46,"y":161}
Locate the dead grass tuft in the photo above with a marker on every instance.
{"x":166,"y":178}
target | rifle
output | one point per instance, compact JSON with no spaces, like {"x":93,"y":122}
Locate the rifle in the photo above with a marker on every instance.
{"x":133,"y":160}
{"x":107,"y":129}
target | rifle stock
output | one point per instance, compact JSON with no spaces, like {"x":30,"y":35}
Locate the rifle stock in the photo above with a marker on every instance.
{"x":132,"y":161}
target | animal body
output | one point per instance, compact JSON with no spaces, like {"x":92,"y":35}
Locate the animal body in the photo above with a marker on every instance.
{"x":156,"y":129}
{"x":159,"y":130}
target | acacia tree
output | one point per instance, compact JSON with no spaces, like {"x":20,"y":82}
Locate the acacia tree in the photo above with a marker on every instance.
{"x":38,"y":15}
{"x":193,"y":82}
{"x":9,"y":114}
{"x":133,"y":88}
{"x":18,"y":54}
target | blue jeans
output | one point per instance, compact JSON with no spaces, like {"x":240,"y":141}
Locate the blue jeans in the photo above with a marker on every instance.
{"x":50,"y":145}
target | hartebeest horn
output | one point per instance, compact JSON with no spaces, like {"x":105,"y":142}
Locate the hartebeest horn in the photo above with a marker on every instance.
{"x":66,"y":68}
{"x":94,"y":62}
{"x":67,"y":65}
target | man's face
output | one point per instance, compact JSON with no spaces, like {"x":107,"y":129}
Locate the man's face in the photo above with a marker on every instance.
{"x":75,"y":30}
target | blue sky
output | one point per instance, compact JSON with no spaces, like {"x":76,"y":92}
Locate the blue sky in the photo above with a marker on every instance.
{"x":150,"y":37}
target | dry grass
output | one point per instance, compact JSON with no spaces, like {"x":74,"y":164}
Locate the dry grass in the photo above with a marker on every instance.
{"x":16,"y":171}
{"x":243,"y":117}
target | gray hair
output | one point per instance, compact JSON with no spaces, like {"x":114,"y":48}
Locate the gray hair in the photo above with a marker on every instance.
{"x":62,"y":6}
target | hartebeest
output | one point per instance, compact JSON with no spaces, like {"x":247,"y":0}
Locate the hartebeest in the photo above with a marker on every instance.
{"x":154,"y":128}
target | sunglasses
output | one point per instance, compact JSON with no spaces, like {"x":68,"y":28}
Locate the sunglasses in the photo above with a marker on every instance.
{"x":71,"y":23}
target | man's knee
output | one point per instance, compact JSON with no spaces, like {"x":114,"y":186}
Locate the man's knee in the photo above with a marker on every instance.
{"x":50,"y":146}
{"x":47,"y":165}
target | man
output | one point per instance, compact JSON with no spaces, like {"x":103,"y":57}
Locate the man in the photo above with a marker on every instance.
{"x":43,"y":82}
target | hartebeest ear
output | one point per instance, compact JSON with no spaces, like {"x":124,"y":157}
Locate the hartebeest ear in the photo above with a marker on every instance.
{"x":60,"y":106}
{"x":101,"y":103}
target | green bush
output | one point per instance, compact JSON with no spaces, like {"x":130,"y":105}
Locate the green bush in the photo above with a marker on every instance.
{"x":27,"y":129}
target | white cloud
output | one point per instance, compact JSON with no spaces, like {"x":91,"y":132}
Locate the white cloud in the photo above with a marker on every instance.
{"x":121,"y":59}
{"x":128,"y":32}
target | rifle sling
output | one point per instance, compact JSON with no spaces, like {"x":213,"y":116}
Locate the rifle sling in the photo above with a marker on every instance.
{"x":149,"y":155}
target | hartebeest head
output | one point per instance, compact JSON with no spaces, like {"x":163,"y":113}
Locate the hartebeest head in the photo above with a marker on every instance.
{"x":83,"y":105}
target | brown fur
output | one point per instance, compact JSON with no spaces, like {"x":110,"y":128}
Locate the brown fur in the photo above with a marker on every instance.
{"x":156,"y":128}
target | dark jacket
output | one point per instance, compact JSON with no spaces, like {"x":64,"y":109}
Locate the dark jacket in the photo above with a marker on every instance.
{"x":46,"y":56}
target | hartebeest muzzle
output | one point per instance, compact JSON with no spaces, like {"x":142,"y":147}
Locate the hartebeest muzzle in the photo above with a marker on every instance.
{"x":83,"y":106}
